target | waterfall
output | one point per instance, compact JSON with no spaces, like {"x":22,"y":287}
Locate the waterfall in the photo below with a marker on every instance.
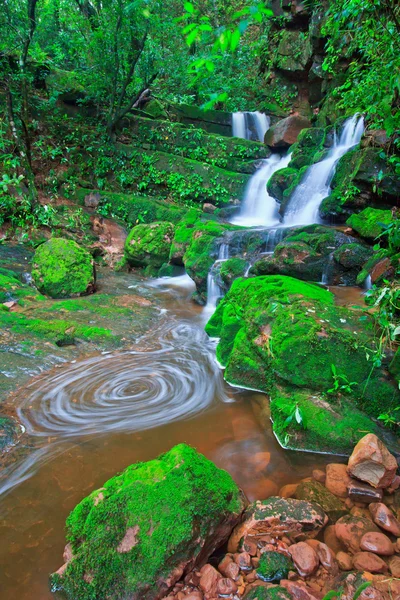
{"x":304,"y":204}
{"x":214,"y":291}
{"x":258,"y":207}
{"x":250,"y":125}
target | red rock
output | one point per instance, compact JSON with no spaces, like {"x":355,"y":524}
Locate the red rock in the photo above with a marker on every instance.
{"x":345,"y":561}
{"x":304,"y":558}
{"x":319,"y":475}
{"x":372,"y":462}
{"x":366,"y":561}
{"x":387,"y":585}
{"x":350,"y":530}
{"x":226,"y":586}
{"x":249,"y":546}
{"x":326,"y":557}
{"x":363,"y":492}
{"x":394,"y":485}
{"x":379,"y":543}
{"x":243,"y":560}
{"x":299,"y":590}
{"x":285,"y":132}
{"x":194,"y":596}
{"x":383,"y":516}
{"x":394,"y":566}
{"x":229,"y":568}
{"x":209,"y":578}
{"x":337,"y":479}
{"x":331,"y":539}
{"x":276,"y":516}
{"x":288,"y":491}
{"x":383,"y":269}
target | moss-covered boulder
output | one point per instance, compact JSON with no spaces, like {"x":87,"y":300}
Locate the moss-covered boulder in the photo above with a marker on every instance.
{"x":294,"y":52}
{"x":274,"y":566}
{"x":231,"y":269}
{"x":183,"y":235}
{"x":149,"y":245}
{"x":268,"y":593}
{"x":280,"y":181}
{"x":63,"y":269}
{"x":313,"y":491}
{"x":370,"y":222}
{"x":278,"y":331}
{"x":136,"y":536}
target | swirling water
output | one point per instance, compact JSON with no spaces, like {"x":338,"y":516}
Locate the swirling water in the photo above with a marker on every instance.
{"x":88,"y":420}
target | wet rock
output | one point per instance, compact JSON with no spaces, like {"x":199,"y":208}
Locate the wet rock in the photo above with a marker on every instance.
{"x":243,"y":560}
{"x":383,"y":516}
{"x":273,"y":566}
{"x":92,"y":200}
{"x":288,"y":491}
{"x":345,"y":561}
{"x":225,"y":587}
{"x":277,"y":516}
{"x":337,"y":479}
{"x":285,"y":132}
{"x":394,"y":566}
{"x":379,"y":543}
{"x":331,"y":539}
{"x":260,"y":592}
{"x":228,"y":567}
{"x":372,"y":462}
{"x":209,"y":579}
{"x":319,"y":475}
{"x":209,"y":208}
{"x":305,"y":558}
{"x":300,"y":591}
{"x":363,"y":492}
{"x":200,"y":505}
{"x":326,"y":557}
{"x":350,"y":530}
{"x":316,"y":492}
{"x":366,"y":561}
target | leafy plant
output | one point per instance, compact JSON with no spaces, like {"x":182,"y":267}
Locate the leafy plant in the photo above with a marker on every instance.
{"x":340,"y":383}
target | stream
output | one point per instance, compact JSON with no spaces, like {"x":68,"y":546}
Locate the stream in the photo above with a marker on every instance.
{"x":88,"y":420}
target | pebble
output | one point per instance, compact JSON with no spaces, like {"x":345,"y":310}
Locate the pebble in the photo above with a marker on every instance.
{"x":383,"y":516}
{"x":304,"y":558}
{"x":337,"y":479}
{"x":394,"y":566}
{"x":379,"y":543}
{"x":345,"y":561}
{"x":319,"y":475}
{"x":366,"y":561}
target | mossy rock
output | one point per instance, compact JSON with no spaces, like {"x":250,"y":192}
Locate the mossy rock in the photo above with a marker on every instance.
{"x":9,"y":432}
{"x":370,"y":222}
{"x":274,"y":566}
{"x":231,"y":269}
{"x":155,"y":109}
{"x":134,"y":536}
{"x":183,"y":235}
{"x":352,"y":256}
{"x":271,"y":593}
{"x":12,"y":289}
{"x":294,"y":51}
{"x":148,"y":245}
{"x":313,"y":491}
{"x":63,"y":269}
{"x":309,"y":144}
{"x":280,"y":181}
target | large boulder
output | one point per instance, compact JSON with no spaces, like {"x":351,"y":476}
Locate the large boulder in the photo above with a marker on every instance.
{"x":285,"y":132}
{"x":370,"y":222}
{"x":63,"y":269}
{"x":149,"y":245}
{"x":279,"y":516}
{"x":138,"y":534}
{"x":372,"y":462}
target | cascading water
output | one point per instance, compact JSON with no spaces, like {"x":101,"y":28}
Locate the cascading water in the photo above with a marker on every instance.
{"x":214,"y":291}
{"x":304,"y":204}
{"x":250,"y":125}
{"x":258,"y":207}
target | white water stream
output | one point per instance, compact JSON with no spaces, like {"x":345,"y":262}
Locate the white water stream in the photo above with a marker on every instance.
{"x":250,"y":125}
{"x":304,"y":204}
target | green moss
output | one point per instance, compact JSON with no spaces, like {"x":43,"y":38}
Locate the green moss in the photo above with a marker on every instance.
{"x":274,"y":566}
{"x":231,"y":269}
{"x":271,"y":593}
{"x":313,"y":491}
{"x":309,"y":144}
{"x":183,"y":235}
{"x":11,"y":288}
{"x":171,"y":503}
{"x":149,"y":245}
{"x":61,"y":268}
{"x":280,"y":181}
{"x":370,"y":222}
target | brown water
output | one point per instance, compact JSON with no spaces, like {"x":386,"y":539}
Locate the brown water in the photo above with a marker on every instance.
{"x":88,"y":420}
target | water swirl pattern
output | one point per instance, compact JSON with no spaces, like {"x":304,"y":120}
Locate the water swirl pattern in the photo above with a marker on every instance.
{"x":131,"y":391}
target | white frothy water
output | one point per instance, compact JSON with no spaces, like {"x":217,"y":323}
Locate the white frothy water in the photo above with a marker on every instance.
{"x":214,"y":291}
{"x":258,"y":207}
{"x":250,"y":125}
{"x":304,"y":204}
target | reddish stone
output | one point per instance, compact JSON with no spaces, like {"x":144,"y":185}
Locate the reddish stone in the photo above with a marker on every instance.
{"x":383,"y":516}
{"x":228,"y":568}
{"x":304,"y":558}
{"x":366,"y":561}
{"x":345,"y":561}
{"x":363,"y":492}
{"x":331,"y":539}
{"x":379,"y":543}
{"x":285,"y":132}
{"x":372,"y":462}
{"x":337,"y":479}
{"x":243,"y":560}
{"x":326,"y":557}
{"x":209,"y":578}
{"x":350,"y":530}
{"x":394,"y":566}
{"x":226,"y":586}
{"x":319,"y":475}
{"x":299,"y":590}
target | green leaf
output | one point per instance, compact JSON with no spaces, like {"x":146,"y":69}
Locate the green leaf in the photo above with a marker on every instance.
{"x":360,"y":590}
{"x":235,"y":39}
{"x":188,"y":6}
